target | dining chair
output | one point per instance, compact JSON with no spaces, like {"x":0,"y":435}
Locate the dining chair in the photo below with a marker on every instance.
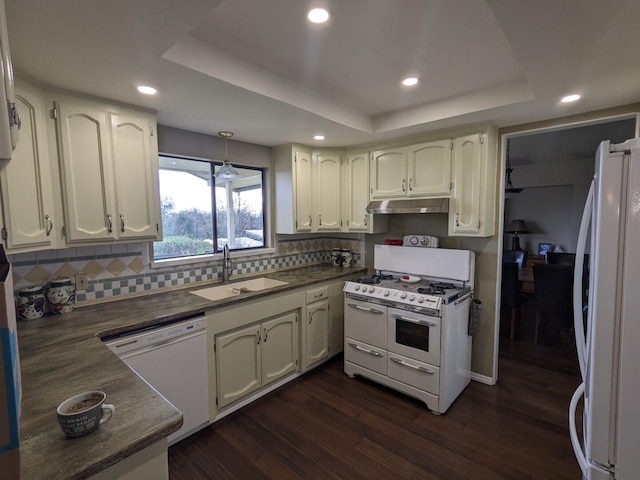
{"x":554,"y":301}
{"x":511,"y":296}
{"x":517,"y":256}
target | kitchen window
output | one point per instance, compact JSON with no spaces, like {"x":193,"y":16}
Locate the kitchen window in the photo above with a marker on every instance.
{"x":201,"y":213}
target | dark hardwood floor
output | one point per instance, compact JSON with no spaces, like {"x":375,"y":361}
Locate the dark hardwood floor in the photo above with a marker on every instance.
{"x":325,"y":425}
{"x":560,"y":358}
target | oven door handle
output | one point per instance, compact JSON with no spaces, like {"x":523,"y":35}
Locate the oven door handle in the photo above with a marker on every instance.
{"x":414,"y":320}
{"x":365,"y":350}
{"x":420,"y":368}
{"x":370,"y":310}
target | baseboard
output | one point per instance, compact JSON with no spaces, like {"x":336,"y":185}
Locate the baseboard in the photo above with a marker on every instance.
{"x":482,"y":379}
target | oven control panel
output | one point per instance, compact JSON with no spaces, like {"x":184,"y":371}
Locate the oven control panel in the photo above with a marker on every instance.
{"x":391,"y":295}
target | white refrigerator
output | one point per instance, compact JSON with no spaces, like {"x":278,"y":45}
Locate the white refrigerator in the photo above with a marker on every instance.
{"x":609,"y":352}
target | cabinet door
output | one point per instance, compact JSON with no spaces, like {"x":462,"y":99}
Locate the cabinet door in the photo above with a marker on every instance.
{"x":317,"y":332}
{"x":328,"y":188}
{"x":429,"y":169}
{"x":464,"y":212}
{"x":86,"y":169}
{"x":238,"y":364}
{"x":279,"y":347}
{"x":356,"y":192}
{"x":302,"y":193}
{"x":27,"y":197}
{"x":336,"y":318}
{"x":389,"y":173}
{"x":135,"y":176}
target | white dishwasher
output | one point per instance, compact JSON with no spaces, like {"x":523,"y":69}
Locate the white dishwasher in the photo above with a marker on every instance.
{"x":172,"y":358}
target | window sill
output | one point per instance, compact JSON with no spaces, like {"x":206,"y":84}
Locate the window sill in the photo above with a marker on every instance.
{"x":195,"y":260}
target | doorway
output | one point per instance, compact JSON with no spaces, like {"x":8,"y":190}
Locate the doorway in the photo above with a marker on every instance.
{"x":551,"y":173}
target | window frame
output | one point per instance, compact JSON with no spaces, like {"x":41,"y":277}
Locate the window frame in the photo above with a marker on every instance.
{"x":217,"y":253}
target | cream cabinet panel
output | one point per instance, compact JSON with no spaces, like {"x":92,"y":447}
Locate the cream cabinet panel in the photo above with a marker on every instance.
{"x":109,"y":171}
{"x":86,"y":167}
{"x":389,"y":173}
{"x":355,"y":194}
{"x":429,"y":169}
{"x":336,"y":318}
{"x":26,"y":184}
{"x":279,"y":347}
{"x":292,"y":179}
{"x":136,"y":175}
{"x":327,"y":173}
{"x":317,"y":336}
{"x":238,"y":362}
{"x":472,"y":204}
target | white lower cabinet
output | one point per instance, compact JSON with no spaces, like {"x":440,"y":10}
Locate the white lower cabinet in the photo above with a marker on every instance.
{"x":251,"y":357}
{"x":317,"y":332}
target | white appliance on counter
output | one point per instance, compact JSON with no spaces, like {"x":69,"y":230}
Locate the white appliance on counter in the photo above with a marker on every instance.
{"x":609,"y":353}
{"x":407,"y":326}
{"x":173,"y":360}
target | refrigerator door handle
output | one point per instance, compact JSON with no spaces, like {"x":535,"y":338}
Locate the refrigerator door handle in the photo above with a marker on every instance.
{"x":578,"y":323}
{"x":575,"y":441}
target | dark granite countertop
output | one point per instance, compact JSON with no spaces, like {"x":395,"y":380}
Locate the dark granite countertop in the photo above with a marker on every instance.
{"x":63,"y":355}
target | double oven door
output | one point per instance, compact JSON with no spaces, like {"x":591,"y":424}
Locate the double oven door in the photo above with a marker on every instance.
{"x":414,"y":335}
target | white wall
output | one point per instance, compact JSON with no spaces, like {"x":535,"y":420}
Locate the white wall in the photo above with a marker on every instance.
{"x":551,"y":203}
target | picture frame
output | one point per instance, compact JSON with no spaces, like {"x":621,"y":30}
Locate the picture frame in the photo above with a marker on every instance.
{"x":543,"y":248}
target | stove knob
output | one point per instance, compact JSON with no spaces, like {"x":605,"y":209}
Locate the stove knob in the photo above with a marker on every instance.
{"x":386,"y":293}
{"x":372,"y":289}
{"x":420,"y":299}
{"x":403,"y":295}
{"x":414,"y":241}
{"x":357,"y":287}
{"x":412,"y":298}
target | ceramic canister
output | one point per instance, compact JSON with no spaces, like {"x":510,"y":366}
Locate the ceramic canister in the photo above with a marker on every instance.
{"x":61,"y":295}
{"x":30,"y":302}
{"x":347,"y":258}
{"x":336,"y":257}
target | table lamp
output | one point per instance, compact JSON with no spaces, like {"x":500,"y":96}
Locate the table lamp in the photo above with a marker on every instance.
{"x":516,"y":227}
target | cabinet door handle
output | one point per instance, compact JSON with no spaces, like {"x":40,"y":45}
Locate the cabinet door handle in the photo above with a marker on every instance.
{"x":420,"y":368}
{"x":318,"y":295}
{"x":457,"y":219}
{"x":365,"y":309}
{"x":366,"y":220}
{"x":410,"y":184}
{"x":122,"y":223}
{"x":310,"y":220}
{"x":49,"y":224}
{"x":320,"y":220}
{"x":265,"y":335}
{"x":404,"y":185}
{"x":365,"y":350}
{"x":109,"y":223}
{"x":258,"y":337}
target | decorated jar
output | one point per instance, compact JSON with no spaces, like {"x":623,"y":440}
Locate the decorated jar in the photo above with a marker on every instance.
{"x":30,"y":303}
{"x":62,"y":295}
{"x":347,"y":258}
{"x":336,"y":257}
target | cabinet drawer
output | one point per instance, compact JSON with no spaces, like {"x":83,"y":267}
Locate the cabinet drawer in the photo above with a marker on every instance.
{"x":365,"y":355}
{"x":317,"y":294}
{"x":417,"y":374}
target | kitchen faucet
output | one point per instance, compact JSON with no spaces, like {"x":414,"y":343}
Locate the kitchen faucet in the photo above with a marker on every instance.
{"x":227,"y":268}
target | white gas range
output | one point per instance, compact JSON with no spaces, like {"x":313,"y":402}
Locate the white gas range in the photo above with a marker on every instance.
{"x":406,"y":327}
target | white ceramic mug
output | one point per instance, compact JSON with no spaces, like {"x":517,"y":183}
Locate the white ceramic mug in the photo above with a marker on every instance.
{"x":83,"y":413}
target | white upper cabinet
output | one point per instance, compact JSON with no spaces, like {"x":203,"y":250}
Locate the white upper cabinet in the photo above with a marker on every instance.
{"x":109,"y":171}
{"x":355,"y":191}
{"x":292,"y":171}
{"x":327,"y":194}
{"x":389,"y":173}
{"x":472,"y":204}
{"x":429,"y":169}
{"x":26,"y":184}
{"x":422,"y":170}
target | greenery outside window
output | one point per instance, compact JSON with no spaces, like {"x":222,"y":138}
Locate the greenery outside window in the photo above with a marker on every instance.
{"x":200,"y":213}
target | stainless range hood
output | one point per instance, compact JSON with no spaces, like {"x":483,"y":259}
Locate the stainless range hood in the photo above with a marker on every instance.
{"x":430,"y":205}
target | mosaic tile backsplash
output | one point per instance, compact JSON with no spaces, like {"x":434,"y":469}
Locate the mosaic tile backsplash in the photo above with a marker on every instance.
{"x":125,"y":269}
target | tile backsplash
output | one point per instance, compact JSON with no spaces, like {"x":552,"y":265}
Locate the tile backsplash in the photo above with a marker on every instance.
{"x":126,"y":270}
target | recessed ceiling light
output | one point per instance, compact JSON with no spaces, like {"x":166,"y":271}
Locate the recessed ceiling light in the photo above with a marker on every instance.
{"x":147,"y":90}
{"x":318,"y":15}
{"x":410,"y":81}
{"x":318,"y":137}
{"x":570,"y":98}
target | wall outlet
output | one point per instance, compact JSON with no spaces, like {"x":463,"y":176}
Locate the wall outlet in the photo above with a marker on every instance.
{"x":81,"y":281}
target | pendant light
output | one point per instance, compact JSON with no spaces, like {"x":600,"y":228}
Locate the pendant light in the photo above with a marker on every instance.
{"x":226,"y":171}
{"x":510,"y":188}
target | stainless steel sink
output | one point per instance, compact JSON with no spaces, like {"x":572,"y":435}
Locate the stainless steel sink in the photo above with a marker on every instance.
{"x":227,"y":290}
